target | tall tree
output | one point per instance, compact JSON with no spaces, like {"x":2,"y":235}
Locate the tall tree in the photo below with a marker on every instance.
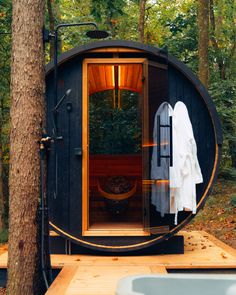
{"x":5,"y":49}
{"x":51,"y":26}
{"x":27,"y":119}
{"x":141,"y":23}
{"x":2,"y":197}
{"x":203,"y":40}
{"x":223,"y":41}
{"x":224,"y":50}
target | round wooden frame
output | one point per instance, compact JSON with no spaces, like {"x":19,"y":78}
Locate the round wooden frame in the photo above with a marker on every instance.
{"x":106,"y":45}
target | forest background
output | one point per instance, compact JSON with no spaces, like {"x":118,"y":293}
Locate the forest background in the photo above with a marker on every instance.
{"x":174,"y":24}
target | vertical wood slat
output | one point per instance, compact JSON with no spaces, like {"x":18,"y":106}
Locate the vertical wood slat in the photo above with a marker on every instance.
{"x":191,"y":98}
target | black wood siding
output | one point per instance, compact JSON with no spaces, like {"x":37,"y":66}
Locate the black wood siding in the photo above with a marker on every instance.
{"x":66,"y":206}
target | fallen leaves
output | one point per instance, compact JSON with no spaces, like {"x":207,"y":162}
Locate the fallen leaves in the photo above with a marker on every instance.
{"x":218,"y":216}
{"x":223,"y":255}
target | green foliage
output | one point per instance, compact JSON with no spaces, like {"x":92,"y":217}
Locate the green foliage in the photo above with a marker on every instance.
{"x":224,"y":94}
{"x":182,"y":39}
{"x":233,"y":200}
{"x":3,"y":236}
{"x":108,"y":9}
{"x":114,"y":130}
{"x":107,"y":12}
{"x":172,"y":24}
{"x":127,"y":25}
{"x":228,"y":173}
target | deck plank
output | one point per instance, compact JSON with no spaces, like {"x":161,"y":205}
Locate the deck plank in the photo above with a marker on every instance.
{"x":98,"y":275}
{"x":101,"y":280}
{"x":60,"y":285}
{"x":201,"y":251}
{"x":155,"y":269}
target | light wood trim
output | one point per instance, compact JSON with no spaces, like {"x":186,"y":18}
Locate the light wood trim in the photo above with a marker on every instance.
{"x":158,"y":269}
{"x":66,"y":234}
{"x":52,"y":233}
{"x":212,"y":176}
{"x":85,"y":150}
{"x":113,"y":61}
{"x":145,"y":152}
{"x":4,"y":260}
{"x":195,"y":256}
{"x":62,"y":281}
{"x":85,"y":172}
{"x":115,"y":49}
{"x":101,"y":279}
{"x":115,"y":233}
{"x":219,"y":243}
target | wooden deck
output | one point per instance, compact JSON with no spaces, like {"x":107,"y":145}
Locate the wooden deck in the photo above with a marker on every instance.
{"x":90,"y":275}
{"x":95,"y":280}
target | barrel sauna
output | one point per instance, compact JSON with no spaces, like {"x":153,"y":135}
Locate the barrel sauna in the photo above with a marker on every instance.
{"x":99,"y":182}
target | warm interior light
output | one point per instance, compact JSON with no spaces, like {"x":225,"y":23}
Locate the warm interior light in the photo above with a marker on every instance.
{"x":162,"y":181}
{"x":119,"y":76}
{"x":154,"y":181}
{"x":113,"y":75}
{"x":149,"y":144}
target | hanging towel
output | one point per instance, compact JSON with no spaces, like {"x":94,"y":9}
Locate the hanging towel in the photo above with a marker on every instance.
{"x":161,"y":174}
{"x":189,"y":168}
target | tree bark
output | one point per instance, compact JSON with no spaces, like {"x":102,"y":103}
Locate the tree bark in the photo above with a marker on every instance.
{"x":220,"y":61}
{"x":51,"y":26}
{"x":2,"y":199}
{"x":222,"y":64}
{"x":141,"y":24}
{"x":203,"y":40}
{"x":27,"y":119}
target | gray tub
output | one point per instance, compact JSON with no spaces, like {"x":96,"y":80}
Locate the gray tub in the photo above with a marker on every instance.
{"x":177,"y":284}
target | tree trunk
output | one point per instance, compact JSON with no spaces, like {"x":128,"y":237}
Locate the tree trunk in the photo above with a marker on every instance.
{"x":223,"y":64}
{"x":141,"y":24}
{"x":220,"y":61}
{"x":203,"y":40}
{"x":2,"y":199}
{"x":51,"y":26}
{"x":27,"y":119}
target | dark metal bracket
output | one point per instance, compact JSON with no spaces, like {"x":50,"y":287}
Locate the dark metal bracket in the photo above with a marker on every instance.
{"x":159,"y":155}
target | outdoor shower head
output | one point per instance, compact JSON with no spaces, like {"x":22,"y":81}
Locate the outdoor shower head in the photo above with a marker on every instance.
{"x":68,"y":91}
{"x":97,"y":34}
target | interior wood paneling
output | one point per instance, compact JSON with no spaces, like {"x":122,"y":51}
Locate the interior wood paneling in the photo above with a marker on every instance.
{"x":102,"y":77}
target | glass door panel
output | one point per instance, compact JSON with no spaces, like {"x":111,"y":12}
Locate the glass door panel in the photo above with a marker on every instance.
{"x":115,"y":161}
{"x":157,"y":149}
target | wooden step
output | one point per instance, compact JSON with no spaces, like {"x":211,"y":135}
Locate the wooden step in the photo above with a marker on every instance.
{"x":95,"y":280}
